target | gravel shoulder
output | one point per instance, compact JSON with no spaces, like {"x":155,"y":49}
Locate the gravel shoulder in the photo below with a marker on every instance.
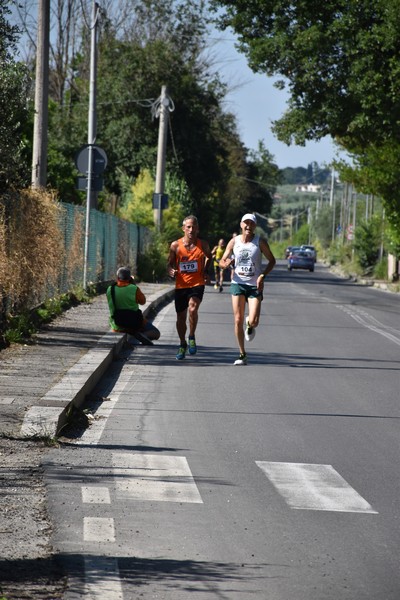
{"x":28,"y":565}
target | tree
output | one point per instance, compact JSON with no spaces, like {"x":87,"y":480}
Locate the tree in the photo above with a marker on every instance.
{"x":158,"y":44}
{"x":367,"y":242}
{"x":142,"y":45}
{"x":323,"y":226}
{"x":264,"y":176}
{"x":138,"y":207}
{"x":14,"y":108}
{"x":203,"y":144}
{"x":340,"y":61}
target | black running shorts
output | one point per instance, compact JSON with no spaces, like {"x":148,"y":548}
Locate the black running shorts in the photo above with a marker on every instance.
{"x":182,"y":296}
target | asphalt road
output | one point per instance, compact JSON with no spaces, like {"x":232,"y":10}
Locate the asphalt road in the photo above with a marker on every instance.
{"x":274,"y":481}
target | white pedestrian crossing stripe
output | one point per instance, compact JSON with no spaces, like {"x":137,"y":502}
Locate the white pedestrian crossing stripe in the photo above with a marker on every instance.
{"x":102,"y":578}
{"x":98,"y":529}
{"x":154,"y":477}
{"x":314,"y":487}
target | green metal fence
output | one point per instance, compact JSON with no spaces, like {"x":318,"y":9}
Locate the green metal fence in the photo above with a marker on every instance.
{"x":113,"y":242}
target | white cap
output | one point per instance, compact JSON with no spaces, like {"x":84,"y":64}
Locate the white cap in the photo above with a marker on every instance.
{"x":249,"y":217}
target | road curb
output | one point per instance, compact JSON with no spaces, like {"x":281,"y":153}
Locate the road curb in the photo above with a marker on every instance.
{"x":52,"y":412}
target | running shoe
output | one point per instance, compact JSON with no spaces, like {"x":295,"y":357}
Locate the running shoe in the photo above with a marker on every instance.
{"x":181,"y":352}
{"x":242,"y":360}
{"x":216,"y":286}
{"x":192,"y":346}
{"x":249,"y":332}
{"x":221,"y":288}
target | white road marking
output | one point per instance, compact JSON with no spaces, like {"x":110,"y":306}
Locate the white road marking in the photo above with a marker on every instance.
{"x":314,"y":487}
{"x":95,"y":495}
{"x":98,"y":529}
{"x":102,"y":579}
{"x":368,"y":321}
{"x":154,"y":477}
{"x":7,"y":400}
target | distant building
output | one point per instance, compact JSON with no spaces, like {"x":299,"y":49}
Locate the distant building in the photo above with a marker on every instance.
{"x":309,"y":188}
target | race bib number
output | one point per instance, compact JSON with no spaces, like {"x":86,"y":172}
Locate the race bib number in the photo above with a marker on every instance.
{"x":246,"y":270}
{"x":188,"y":267}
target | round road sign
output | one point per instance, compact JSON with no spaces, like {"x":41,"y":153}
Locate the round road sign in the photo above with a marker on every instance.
{"x":99,"y":160}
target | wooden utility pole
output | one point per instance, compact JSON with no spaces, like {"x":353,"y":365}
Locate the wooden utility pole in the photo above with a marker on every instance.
{"x":331,"y":195}
{"x":39,"y":158}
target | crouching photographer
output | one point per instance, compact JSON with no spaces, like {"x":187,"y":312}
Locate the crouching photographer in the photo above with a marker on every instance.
{"x":124,"y":298}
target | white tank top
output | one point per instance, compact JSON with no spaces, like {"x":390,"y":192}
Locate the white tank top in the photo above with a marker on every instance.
{"x":248,"y":259}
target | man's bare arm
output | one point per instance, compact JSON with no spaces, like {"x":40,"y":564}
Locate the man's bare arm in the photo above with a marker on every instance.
{"x":171,"y":264}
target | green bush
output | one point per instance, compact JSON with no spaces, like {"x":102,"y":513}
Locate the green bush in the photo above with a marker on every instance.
{"x":367,"y":242}
{"x":20,"y":328}
{"x":338,"y":253}
{"x":278,"y":248}
{"x":301,"y":236}
{"x":323,"y":226}
{"x":381,"y":269}
{"x":152,"y":264}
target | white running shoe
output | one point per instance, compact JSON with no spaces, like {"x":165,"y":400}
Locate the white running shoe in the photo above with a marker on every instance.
{"x":249,"y":332}
{"x":242,"y":360}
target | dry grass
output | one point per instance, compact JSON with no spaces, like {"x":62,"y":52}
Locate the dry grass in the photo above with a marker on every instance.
{"x":75,"y":251}
{"x":32,"y":250}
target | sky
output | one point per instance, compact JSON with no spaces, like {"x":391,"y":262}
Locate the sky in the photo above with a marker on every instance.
{"x":256,"y":103}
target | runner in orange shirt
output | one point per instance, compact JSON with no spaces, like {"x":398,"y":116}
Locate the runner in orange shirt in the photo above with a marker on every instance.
{"x":188,"y":262}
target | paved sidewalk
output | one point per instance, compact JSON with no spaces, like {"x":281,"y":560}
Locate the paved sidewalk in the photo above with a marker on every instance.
{"x":38,"y":382}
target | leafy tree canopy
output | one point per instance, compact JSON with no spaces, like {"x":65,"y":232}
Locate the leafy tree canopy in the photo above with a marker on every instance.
{"x":340,"y":62}
{"x":8,"y":33}
{"x":204,"y":151}
{"x":339,"y":59}
{"x":143,"y":45}
{"x":14,"y":110}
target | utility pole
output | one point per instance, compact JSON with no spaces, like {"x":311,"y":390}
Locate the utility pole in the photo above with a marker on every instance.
{"x":333,"y":220}
{"x":161,"y":156}
{"x":332,"y":186}
{"x":354,"y":194}
{"x":39,"y":154}
{"x":90,"y":197}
